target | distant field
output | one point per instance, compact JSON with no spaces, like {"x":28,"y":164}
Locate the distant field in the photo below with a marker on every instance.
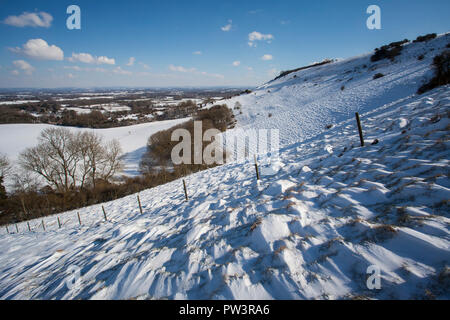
{"x":14,"y":138}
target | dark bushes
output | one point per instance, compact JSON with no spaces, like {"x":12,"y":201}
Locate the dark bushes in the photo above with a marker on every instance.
{"x":441,"y":64}
{"x":285,"y":73}
{"x":14,"y":115}
{"x":425,"y":38}
{"x":378,"y":76}
{"x":389,"y":51}
{"x":221,"y":116}
{"x":160,"y":144}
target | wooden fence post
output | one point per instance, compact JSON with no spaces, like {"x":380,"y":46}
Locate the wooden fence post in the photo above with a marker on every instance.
{"x":256,"y":168}
{"x":59,"y":222}
{"x":17,"y":228}
{"x":79,"y":219}
{"x":104,"y":213}
{"x":7,"y":230}
{"x":139,"y":202}
{"x":359,"y":129}
{"x":43,"y":224}
{"x":28,"y":224}
{"x":185,"y":190}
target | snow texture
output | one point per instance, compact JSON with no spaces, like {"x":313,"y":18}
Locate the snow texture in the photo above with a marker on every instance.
{"x":308,"y":230}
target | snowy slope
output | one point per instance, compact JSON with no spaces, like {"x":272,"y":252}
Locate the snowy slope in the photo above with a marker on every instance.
{"x":309,"y":231}
{"x":303,"y":103}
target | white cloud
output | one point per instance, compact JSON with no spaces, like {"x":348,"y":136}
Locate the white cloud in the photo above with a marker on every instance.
{"x":28,"y":19}
{"x":180,"y":69}
{"x":105,"y":60}
{"x":82,"y":57}
{"x":228,"y":26}
{"x":15,"y":72}
{"x":24,"y":66}
{"x":39,"y":49}
{"x":267,"y":57}
{"x":97,"y":69}
{"x":76,"y":68}
{"x":131,"y":61}
{"x":70,"y":76}
{"x":119,"y":70}
{"x":194,"y":71}
{"x":236,"y":63}
{"x":145,"y":66}
{"x":88,"y":58}
{"x":197,"y":53}
{"x":257,"y":36}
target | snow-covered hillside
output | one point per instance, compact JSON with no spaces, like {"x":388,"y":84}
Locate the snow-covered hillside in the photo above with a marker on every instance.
{"x":309,"y":231}
{"x":303,"y":103}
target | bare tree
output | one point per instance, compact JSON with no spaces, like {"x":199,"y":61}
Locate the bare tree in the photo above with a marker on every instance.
{"x":4,"y":170}
{"x":5,"y":166}
{"x":67,"y":160}
{"x":91,"y":150}
{"x":99,"y":160}
{"x":55,"y":158}
{"x":112,"y":163}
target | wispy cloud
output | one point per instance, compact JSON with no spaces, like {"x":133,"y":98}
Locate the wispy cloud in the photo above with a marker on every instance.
{"x":28,"y":19}
{"x":145,"y":66}
{"x":24,"y":66}
{"x":76,"y":68}
{"x":182,"y":69}
{"x":267,"y":57}
{"x":236,"y":63}
{"x":257,"y":36}
{"x":228,"y":26}
{"x":119,"y":70}
{"x":198,"y":53}
{"x":131,"y":62}
{"x":40,"y":49}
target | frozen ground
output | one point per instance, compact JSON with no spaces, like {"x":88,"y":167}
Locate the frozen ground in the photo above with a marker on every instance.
{"x":329,"y":210}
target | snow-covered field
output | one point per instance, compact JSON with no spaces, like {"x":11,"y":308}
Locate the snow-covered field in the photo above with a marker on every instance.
{"x":14,"y":138}
{"x":309,"y":231}
{"x":17,"y":102}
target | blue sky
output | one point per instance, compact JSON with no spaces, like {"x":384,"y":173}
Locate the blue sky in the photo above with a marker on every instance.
{"x":196,"y":42}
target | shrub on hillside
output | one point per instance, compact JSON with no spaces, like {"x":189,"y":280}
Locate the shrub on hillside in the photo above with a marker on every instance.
{"x":220,"y":116}
{"x":378,"y":76}
{"x":160,"y":144}
{"x":389,"y":51}
{"x":441,"y":64}
{"x":285,"y":73}
{"x":425,"y":38}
